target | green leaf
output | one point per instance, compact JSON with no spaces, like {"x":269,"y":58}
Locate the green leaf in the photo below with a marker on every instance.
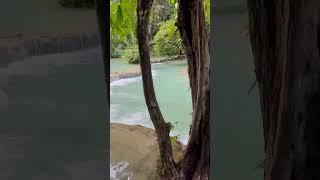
{"x":172,"y":1}
{"x":173,"y":139}
{"x":119,"y":14}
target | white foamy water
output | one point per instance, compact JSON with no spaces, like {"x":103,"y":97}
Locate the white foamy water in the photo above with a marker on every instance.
{"x":128,"y":105}
{"x":123,"y":82}
{"x":132,"y":119}
{"x":138,"y":118}
{"x":121,"y":171}
{"x":139,"y":115}
{"x":126,"y":81}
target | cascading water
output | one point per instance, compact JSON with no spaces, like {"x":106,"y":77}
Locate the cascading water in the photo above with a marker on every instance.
{"x":172,"y":90}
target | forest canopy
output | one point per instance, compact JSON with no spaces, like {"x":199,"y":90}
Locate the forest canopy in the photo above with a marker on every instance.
{"x":165,"y":36}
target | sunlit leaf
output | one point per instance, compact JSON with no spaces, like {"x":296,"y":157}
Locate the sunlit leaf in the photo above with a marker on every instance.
{"x":173,"y":139}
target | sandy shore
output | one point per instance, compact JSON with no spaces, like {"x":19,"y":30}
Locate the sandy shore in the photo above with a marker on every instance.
{"x":138,"y":146}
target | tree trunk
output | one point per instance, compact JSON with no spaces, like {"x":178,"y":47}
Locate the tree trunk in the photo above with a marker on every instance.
{"x":162,"y":128}
{"x":103,"y":14}
{"x":285,"y":38}
{"x":191,"y":24}
{"x":195,"y":162}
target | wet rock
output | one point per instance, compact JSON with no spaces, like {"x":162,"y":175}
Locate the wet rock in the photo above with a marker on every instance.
{"x":118,"y":76}
{"x":138,"y":147}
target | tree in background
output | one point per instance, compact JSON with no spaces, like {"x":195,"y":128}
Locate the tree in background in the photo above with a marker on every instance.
{"x":123,"y":22}
{"x":192,"y":27}
{"x":285,"y":39}
{"x":122,"y":26}
{"x":167,"y":41}
{"x":161,"y":11}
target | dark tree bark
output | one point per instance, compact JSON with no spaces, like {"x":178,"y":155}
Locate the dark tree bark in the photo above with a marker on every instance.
{"x":285,"y":38}
{"x":191,"y":24}
{"x":162,"y":128}
{"x":103,"y":15}
{"x":192,"y":27}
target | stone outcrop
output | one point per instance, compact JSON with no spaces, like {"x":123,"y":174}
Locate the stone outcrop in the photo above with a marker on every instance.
{"x":123,"y":75}
{"x":117,"y":76}
{"x":138,"y":147}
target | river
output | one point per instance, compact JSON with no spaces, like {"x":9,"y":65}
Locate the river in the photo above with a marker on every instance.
{"x":172,"y":91}
{"x":128,"y":107}
{"x":53,"y":116}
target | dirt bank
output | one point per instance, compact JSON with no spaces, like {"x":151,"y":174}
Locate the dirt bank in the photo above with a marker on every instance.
{"x":138,"y":146}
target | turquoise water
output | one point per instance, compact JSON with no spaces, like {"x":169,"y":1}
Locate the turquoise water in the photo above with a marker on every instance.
{"x":53,"y":114}
{"x":172,"y":90}
{"x":121,"y":65}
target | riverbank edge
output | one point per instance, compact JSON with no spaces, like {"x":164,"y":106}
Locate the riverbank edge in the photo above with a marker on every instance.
{"x":125,"y":137}
{"x":124,"y":75}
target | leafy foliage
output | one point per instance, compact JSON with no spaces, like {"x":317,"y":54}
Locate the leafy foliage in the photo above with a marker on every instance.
{"x":123,"y":19}
{"x":174,"y":139}
{"x":164,"y":34}
{"x":116,"y":51}
{"x":167,"y":41}
{"x":122,"y":27}
{"x":161,"y":11}
{"x":132,"y":53}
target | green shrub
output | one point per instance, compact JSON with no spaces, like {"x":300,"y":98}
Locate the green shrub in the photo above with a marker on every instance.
{"x":115,"y":52}
{"x":77,"y":3}
{"x":116,"y":47}
{"x":167,"y":41}
{"x":132,"y":53}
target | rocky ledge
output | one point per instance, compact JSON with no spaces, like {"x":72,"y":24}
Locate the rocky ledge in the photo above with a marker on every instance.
{"x":137,"y":147}
{"x":116,"y":76}
{"x":136,"y":72}
{"x":173,"y":58}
